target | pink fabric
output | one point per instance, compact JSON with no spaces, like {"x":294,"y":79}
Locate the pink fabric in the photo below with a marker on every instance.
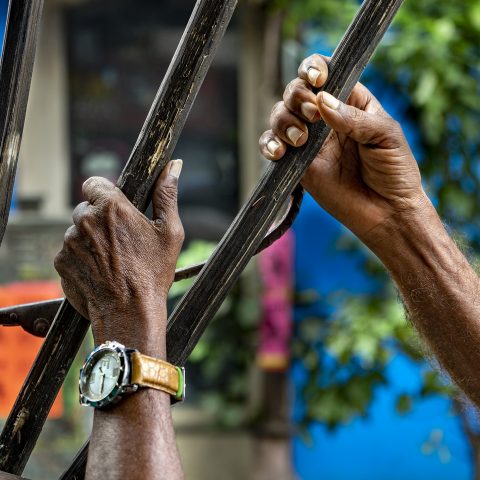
{"x":277,"y":274}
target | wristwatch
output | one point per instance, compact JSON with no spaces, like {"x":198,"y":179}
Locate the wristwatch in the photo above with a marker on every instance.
{"x":112,"y":370}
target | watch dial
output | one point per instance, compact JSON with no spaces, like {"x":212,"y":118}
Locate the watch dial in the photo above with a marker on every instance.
{"x":102,"y":377}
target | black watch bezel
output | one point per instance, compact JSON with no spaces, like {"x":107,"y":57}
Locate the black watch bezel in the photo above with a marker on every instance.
{"x":122,"y":385}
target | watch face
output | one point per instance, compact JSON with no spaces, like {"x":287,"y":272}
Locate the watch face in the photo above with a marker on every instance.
{"x":100,"y":375}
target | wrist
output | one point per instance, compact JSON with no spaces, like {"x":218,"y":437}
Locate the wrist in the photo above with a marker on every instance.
{"x":406,"y":234}
{"x":141,"y":327}
{"x":132,"y":405}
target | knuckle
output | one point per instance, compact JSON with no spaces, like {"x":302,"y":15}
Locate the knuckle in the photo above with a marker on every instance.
{"x":355,"y":114}
{"x":70,"y":237}
{"x":294,"y":92}
{"x":110,"y":198}
{"x":314,"y":60}
{"x":65,"y":286}
{"x":167,"y":194}
{"x":315,"y":57}
{"x":289,"y":89}
{"x":110,"y":205}
{"x":58,"y":261}
{"x":85,"y":220}
{"x":276,"y":109}
{"x":170,"y":232}
{"x":177,"y":233}
{"x":281,"y":119}
{"x":353,"y":117}
{"x":121,"y":210}
{"x":395,"y":126}
{"x":395,"y":132}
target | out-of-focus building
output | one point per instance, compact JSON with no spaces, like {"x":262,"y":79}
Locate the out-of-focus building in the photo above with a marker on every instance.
{"x":97,"y":69}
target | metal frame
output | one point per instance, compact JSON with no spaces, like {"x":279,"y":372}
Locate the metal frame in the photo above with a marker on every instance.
{"x":18,"y":55}
{"x":151,"y":153}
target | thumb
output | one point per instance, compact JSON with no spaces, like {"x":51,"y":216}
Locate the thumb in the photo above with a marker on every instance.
{"x":363,"y":127}
{"x":164,"y":196}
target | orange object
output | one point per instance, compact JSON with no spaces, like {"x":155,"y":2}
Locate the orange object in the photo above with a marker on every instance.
{"x":18,"y":348}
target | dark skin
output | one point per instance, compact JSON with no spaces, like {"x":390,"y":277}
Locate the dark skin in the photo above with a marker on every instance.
{"x":117,"y":267}
{"x":367,"y":177}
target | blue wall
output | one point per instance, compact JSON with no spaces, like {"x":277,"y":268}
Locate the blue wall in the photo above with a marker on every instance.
{"x":3,"y":15}
{"x":427,"y":443}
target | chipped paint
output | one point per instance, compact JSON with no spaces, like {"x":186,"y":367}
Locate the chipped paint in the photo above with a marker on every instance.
{"x":10,"y":154}
{"x":162,"y":145}
{"x":22,"y":417}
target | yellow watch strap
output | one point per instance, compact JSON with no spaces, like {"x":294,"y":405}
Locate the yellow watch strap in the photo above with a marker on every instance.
{"x":154,"y":373}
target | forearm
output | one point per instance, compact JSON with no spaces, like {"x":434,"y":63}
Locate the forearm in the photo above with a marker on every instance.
{"x":439,"y":288}
{"x":135,"y":439}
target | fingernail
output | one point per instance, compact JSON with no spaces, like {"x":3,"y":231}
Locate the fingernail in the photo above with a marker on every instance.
{"x":175,"y":168}
{"x":309,"y":110}
{"x":294,"y":134}
{"x":273,"y":146}
{"x":313,"y":75}
{"x":330,"y":101}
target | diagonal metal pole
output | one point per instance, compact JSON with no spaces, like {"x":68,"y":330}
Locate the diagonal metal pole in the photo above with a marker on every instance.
{"x":151,"y":153}
{"x":18,"y":56}
{"x":200,"y":303}
{"x":37,"y":318}
{"x":9,"y":476}
{"x":198,"y":306}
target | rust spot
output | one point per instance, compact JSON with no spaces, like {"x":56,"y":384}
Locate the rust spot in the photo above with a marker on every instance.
{"x":19,"y":423}
{"x":153,"y":161}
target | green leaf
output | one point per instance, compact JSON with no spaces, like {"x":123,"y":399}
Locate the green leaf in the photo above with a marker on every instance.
{"x":404,"y":404}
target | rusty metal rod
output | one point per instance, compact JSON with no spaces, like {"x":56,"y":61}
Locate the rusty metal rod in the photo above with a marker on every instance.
{"x":18,"y":55}
{"x":151,"y":153}
{"x":198,"y":306}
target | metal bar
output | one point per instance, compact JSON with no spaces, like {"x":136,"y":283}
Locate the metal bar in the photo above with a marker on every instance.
{"x":200,"y":303}
{"x":18,"y":55}
{"x":151,"y":153}
{"x":36,"y":318}
{"x":9,"y":476}
{"x":198,"y":306}
{"x":76,"y":470}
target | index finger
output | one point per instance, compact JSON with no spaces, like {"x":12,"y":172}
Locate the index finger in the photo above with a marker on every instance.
{"x":314,"y":70}
{"x":96,"y":189}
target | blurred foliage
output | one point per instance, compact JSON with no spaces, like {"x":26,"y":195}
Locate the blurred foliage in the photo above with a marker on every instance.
{"x":431,"y":59}
{"x":197,"y":251}
{"x":347,"y":357}
{"x":219,"y":365}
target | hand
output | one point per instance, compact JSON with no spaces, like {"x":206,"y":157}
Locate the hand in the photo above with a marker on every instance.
{"x":365,"y":174}
{"x":117,"y":266}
